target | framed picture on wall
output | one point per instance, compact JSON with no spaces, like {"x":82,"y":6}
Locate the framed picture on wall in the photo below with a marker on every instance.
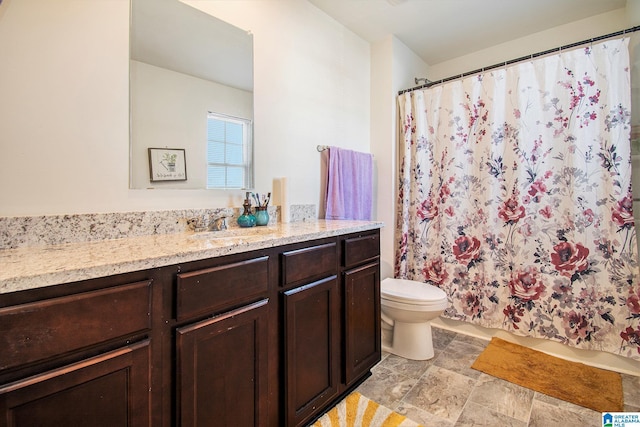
{"x":167,"y":164}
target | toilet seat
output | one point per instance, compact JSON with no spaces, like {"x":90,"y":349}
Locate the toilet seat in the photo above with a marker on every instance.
{"x":412,"y":292}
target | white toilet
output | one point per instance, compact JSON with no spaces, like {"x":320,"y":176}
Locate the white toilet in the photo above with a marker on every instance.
{"x":407,"y":309}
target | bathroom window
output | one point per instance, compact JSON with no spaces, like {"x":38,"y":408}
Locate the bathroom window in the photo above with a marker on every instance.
{"x":229,"y":152}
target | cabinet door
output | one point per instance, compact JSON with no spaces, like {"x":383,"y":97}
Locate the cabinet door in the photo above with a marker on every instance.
{"x":222,"y":369}
{"x":362,"y":321}
{"x":110,"y":390}
{"x":312,"y":348}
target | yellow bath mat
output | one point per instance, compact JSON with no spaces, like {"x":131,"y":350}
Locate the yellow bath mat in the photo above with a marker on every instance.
{"x":358,"y":411}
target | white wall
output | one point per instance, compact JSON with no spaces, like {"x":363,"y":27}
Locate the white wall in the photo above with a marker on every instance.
{"x":393,"y":67}
{"x":64,"y":109}
{"x":64,"y":105}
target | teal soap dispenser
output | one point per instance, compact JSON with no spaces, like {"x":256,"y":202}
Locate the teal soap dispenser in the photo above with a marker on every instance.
{"x":247,"y":219}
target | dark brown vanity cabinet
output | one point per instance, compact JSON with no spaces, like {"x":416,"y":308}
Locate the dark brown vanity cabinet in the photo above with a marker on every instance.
{"x":311,"y":322}
{"x":331,"y":327}
{"x":361,"y":299}
{"x":77,"y":359}
{"x":270,"y":337}
{"x":222,"y":360}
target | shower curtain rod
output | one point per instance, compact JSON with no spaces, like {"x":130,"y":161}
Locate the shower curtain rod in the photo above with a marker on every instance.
{"x":429,"y":83}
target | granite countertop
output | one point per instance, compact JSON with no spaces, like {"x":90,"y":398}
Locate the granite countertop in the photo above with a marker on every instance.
{"x":39,"y":266}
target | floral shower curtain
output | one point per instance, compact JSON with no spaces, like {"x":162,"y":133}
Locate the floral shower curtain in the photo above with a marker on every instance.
{"x":515,"y":198}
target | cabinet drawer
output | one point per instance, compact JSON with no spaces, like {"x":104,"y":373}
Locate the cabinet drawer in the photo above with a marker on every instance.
{"x":360,"y":249}
{"x":219,"y":288}
{"x":44,"y":329}
{"x":309,"y":263}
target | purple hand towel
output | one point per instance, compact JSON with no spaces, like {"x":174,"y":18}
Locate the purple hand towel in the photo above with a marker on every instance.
{"x":349,"y":184}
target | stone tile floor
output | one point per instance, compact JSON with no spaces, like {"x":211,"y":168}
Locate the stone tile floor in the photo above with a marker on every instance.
{"x":445,"y":391}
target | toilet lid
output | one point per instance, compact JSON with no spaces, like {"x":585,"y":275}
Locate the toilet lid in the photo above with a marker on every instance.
{"x":410,"y":291}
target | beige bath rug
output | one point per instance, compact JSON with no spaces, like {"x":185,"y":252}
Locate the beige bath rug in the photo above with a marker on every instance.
{"x":583,"y":385}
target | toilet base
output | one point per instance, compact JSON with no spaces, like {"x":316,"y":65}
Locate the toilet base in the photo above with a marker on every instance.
{"x":412,"y":341}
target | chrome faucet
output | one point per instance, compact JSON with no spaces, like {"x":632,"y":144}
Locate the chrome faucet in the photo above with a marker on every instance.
{"x":218,"y":224}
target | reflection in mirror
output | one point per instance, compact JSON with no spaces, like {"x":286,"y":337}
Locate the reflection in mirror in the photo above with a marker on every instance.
{"x":186,"y":65}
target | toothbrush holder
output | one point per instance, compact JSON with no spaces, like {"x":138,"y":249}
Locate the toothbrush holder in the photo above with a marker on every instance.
{"x":262,"y":215}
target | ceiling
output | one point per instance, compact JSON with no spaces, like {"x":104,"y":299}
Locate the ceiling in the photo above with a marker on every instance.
{"x":440,"y":30}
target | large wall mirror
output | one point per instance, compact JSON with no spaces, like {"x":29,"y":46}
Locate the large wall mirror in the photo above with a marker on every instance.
{"x":184,"y":64}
